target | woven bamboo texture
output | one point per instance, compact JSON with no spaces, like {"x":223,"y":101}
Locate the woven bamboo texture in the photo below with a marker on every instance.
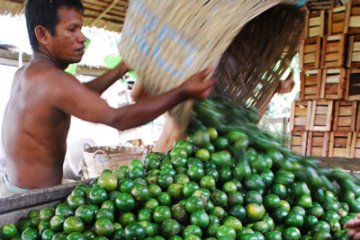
{"x":168,"y":42}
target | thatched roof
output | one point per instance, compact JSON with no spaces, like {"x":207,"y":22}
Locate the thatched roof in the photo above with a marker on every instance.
{"x":107,"y":14}
{"x":313,"y":5}
{"x":110,"y":14}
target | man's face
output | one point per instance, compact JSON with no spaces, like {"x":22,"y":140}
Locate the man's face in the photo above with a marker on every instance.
{"x":67,"y":45}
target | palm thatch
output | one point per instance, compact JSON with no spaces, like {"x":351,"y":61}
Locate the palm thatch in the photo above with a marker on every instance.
{"x":314,"y":5}
{"x":110,"y":14}
{"x":106,"y":14}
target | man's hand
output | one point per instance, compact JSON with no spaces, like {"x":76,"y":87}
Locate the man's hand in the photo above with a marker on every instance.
{"x":354,"y":227}
{"x":196,"y":86}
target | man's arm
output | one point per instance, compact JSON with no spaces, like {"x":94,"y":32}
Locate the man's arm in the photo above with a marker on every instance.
{"x":103,"y":82}
{"x":138,"y":93}
{"x":87,"y":105}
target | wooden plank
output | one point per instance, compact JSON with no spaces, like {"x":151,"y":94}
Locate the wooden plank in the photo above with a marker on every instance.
{"x":340,"y":152}
{"x":354,"y":22}
{"x":321,"y":109}
{"x":333,"y":79}
{"x":297,"y":140}
{"x":344,"y":122}
{"x":316,"y":152}
{"x":355,"y":11}
{"x":355,"y":57}
{"x":36,"y":197}
{"x":311,"y":80}
{"x":310,"y":48}
{"x":346,"y":111}
{"x":333,"y":71}
{"x":345,"y":163}
{"x":339,"y":17}
{"x":339,"y":9}
{"x":13,"y":217}
{"x":312,"y":72}
{"x":332,"y":47}
{"x":300,"y":121}
{"x":318,"y":141}
{"x":315,"y":21}
{"x":320,"y":120}
{"x":311,"y":90}
{"x":330,"y":57}
{"x":331,"y":91}
{"x":356,"y":46}
{"x":315,"y":31}
{"x":301,"y":111}
{"x":333,"y":38}
{"x":309,"y":58}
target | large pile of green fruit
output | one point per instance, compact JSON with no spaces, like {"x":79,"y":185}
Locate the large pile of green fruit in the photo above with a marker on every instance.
{"x":229,"y":180}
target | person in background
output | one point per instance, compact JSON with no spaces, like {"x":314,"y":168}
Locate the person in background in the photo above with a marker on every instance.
{"x":171,"y":130}
{"x":43,"y":98}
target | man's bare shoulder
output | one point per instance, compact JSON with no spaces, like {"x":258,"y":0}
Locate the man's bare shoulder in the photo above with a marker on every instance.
{"x":47,"y":82}
{"x":47,"y":73}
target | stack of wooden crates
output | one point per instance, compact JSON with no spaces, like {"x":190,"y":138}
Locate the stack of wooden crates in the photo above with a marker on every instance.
{"x":326,"y":120}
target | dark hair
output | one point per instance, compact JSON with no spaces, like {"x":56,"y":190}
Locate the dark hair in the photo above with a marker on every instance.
{"x":45,"y":13}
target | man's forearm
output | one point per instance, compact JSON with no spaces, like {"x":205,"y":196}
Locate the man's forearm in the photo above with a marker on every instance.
{"x":103,"y":82}
{"x":140,"y":113}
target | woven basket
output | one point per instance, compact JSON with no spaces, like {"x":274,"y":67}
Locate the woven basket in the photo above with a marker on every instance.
{"x":165,"y":42}
{"x":96,"y":159}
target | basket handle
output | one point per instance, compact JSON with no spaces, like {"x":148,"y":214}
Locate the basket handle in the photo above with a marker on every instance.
{"x":100,"y":159}
{"x":86,"y":146}
{"x":99,"y":151}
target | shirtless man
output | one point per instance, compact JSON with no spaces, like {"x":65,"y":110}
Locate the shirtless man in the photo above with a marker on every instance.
{"x":43,"y":97}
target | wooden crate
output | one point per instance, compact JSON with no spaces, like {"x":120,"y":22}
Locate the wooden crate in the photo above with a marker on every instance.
{"x":300,"y":115}
{"x":298,"y":142}
{"x":345,"y":116}
{"x":310,"y":53}
{"x":340,"y":144}
{"x":353,"y":58}
{"x":310,"y":84}
{"x":321,"y":115}
{"x":352,"y":84}
{"x":355,"y":145}
{"x":333,"y":51}
{"x":315,"y":24}
{"x":357,"y":124}
{"x":337,"y":20}
{"x":332,"y":84}
{"x":353,"y":17}
{"x":317,"y":144}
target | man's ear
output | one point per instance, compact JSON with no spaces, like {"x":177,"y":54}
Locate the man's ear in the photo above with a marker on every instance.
{"x":42,"y":35}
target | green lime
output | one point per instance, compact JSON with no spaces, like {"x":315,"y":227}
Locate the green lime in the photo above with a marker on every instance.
{"x":124,"y":202}
{"x":134,"y":231}
{"x":73,"y":224}
{"x":103,"y":227}
{"x":161,"y":213}
{"x":9,"y":231}
{"x":56,"y":223}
